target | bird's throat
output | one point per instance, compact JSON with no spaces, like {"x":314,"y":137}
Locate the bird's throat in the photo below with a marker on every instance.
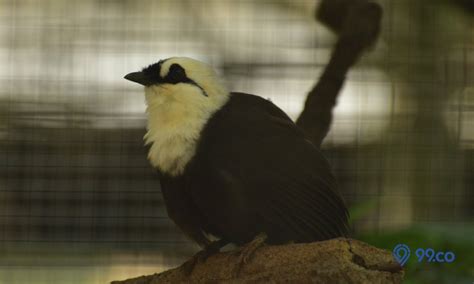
{"x":173,"y":132}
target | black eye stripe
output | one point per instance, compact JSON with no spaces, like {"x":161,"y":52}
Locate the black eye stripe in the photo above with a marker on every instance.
{"x":152,"y":72}
{"x":176,"y":74}
{"x":196,"y":84}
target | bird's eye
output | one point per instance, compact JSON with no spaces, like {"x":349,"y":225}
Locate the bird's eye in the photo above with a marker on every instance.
{"x":176,"y":74}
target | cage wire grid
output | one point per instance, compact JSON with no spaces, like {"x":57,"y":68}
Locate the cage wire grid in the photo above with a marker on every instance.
{"x":79,"y":202}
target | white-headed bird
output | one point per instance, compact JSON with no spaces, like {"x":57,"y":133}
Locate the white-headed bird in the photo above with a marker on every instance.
{"x":234,"y":165}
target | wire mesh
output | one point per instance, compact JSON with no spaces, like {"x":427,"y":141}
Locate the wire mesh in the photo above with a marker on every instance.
{"x":77,"y":195}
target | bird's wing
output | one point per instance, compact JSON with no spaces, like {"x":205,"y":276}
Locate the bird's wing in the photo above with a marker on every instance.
{"x":263,"y":175}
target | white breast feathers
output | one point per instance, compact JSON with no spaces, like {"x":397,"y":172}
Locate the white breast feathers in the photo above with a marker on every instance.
{"x":176,"y":117}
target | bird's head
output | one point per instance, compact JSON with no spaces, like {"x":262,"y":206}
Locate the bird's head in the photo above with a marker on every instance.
{"x":180,"y":80}
{"x":181,"y":95}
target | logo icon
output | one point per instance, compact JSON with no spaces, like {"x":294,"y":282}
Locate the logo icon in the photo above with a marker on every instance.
{"x":401,"y":253}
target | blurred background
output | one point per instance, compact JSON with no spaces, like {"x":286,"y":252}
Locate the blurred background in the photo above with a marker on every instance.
{"x":79,"y":202}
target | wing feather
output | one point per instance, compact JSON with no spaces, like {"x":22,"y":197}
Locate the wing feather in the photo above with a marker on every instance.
{"x":261,"y":174}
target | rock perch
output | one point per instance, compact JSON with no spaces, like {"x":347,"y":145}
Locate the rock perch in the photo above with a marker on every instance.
{"x":333,"y":261}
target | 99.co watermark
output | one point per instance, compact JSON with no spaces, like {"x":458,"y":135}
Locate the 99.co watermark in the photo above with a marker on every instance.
{"x":402,"y":252}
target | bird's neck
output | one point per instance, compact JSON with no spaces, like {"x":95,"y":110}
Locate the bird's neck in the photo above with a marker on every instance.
{"x":174,"y":130}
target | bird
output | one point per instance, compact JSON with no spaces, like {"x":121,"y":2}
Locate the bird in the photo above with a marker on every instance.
{"x":233,"y":166}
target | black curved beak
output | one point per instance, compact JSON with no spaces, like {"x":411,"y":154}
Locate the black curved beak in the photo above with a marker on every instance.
{"x":138,"y":77}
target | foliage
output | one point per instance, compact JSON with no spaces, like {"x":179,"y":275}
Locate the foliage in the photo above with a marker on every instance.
{"x":441,"y":237}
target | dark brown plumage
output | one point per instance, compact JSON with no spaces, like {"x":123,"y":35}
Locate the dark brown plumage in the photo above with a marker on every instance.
{"x":253,"y":172}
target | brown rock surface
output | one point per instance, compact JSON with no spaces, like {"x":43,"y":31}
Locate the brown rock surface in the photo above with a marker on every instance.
{"x":332,"y":261}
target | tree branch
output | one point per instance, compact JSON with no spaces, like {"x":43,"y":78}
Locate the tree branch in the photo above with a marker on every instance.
{"x":358,"y":23}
